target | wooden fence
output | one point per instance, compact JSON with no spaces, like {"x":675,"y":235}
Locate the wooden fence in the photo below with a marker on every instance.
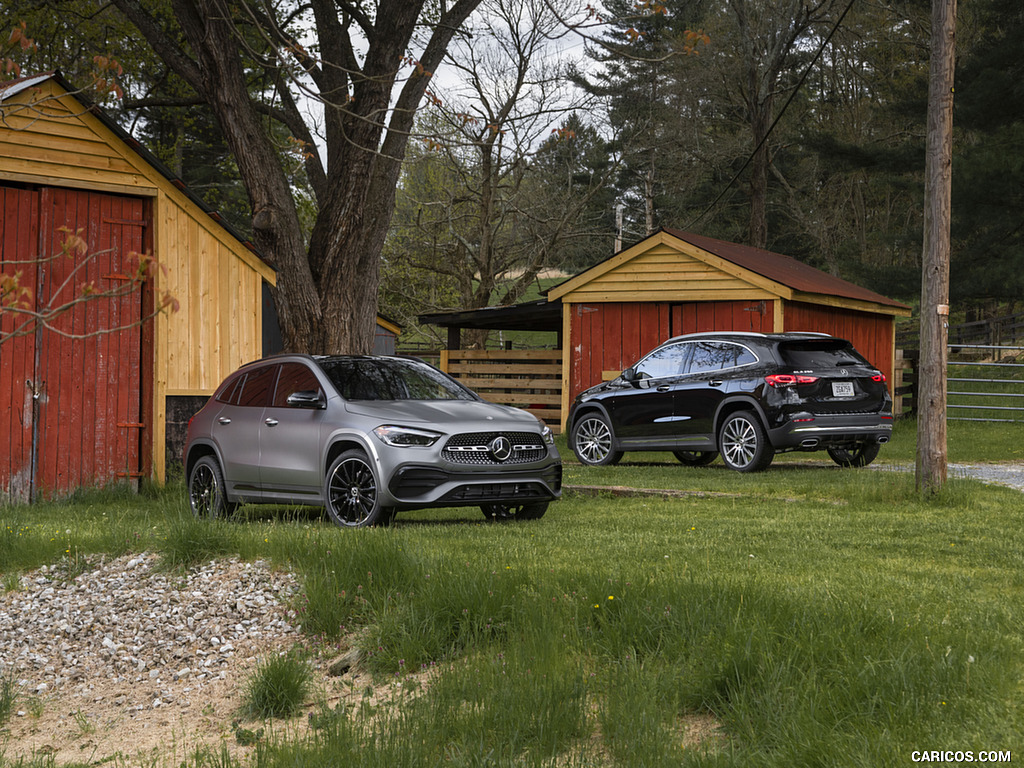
{"x":530,"y":379}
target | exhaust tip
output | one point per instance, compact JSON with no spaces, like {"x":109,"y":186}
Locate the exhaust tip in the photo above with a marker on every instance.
{"x":809,"y":443}
{"x":882,"y":440}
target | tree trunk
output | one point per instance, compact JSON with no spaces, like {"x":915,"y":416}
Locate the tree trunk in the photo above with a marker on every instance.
{"x":931,"y":425}
{"x":760,"y":118}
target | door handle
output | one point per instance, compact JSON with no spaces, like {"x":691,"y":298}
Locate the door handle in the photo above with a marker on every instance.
{"x":271,"y":422}
{"x":224,"y":420}
{"x":715,"y":383}
{"x":663,"y":388}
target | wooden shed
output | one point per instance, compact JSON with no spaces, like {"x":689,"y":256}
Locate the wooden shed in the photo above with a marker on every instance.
{"x":672,"y":283}
{"x":676,"y":282}
{"x":91,"y":411}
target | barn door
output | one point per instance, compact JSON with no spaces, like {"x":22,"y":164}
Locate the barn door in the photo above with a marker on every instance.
{"x":83,"y":382}
{"x":19,"y":241}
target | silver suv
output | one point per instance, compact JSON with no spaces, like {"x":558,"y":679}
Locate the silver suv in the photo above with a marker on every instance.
{"x":364,"y":437}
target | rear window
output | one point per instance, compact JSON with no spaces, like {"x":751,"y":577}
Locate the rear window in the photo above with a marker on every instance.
{"x":391,"y":379}
{"x":827,"y":353}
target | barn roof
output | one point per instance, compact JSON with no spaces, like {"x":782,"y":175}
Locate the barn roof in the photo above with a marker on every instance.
{"x":783,"y":269}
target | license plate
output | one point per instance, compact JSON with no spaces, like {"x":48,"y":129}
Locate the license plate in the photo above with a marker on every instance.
{"x":842,"y":389}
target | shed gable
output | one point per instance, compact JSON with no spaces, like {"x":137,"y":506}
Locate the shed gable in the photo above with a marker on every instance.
{"x":663,"y":268}
{"x":48,"y":137}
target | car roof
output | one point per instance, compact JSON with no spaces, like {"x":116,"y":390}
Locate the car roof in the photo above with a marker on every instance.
{"x":280,"y":356}
{"x":752,"y":335}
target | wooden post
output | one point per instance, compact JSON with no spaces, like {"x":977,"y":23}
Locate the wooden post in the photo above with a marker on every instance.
{"x":931,"y":423}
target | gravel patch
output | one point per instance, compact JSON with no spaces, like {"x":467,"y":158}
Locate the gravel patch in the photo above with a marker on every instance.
{"x":123,"y":647}
{"x":997,"y":474}
{"x":1009,"y":475}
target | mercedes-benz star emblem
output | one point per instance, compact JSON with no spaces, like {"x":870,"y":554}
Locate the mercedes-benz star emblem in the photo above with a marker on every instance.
{"x":500,"y":448}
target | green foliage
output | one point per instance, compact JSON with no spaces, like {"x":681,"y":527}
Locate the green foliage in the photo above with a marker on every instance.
{"x":191,"y":540}
{"x":8,"y":695}
{"x":278,"y":688}
{"x":988,"y":164}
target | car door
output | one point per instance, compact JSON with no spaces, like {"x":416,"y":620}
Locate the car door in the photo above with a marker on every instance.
{"x":236,"y":430}
{"x":643,"y":413}
{"x":289,"y":435}
{"x":700,"y":391}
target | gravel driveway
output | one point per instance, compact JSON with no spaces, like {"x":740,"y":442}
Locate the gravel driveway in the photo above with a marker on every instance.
{"x":1010,"y":475}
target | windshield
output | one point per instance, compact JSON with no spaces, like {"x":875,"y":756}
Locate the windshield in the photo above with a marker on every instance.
{"x":391,"y":379}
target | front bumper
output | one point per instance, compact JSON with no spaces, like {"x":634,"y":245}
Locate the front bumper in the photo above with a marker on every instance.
{"x":415,"y":486}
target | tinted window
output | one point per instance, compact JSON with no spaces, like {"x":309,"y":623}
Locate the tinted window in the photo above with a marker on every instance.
{"x":229,"y":392}
{"x":257,"y":387}
{"x":666,"y":361}
{"x":718,"y":355}
{"x":391,"y":379}
{"x":295,"y":377}
{"x":827,"y":353}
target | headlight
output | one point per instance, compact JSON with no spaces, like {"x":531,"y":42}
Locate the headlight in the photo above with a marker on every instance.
{"x":545,"y":431}
{"x":404,"y":437}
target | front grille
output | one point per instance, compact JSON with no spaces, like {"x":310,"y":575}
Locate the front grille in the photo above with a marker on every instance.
{"x":475,"y":448}
{"x":490,"y":492}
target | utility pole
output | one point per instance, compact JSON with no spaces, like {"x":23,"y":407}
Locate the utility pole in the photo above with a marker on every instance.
{"x":931,"y":419}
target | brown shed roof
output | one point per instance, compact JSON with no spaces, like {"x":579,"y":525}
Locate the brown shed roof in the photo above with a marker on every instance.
{"x":783,"y":269}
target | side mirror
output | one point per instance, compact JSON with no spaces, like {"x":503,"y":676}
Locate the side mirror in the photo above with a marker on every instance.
{"x":629,"y":375}
{"x":311,"y":398}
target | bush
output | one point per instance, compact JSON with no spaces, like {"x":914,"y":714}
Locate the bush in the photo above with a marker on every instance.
{"x":278,"y":687}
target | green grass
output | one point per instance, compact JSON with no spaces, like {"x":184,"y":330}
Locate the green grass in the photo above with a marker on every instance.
{"x":278,"y":687}
{"x":819,"y":616}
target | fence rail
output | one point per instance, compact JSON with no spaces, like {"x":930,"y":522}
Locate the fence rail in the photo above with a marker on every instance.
{"x":530,"y":379}
{"x":978,"y":396}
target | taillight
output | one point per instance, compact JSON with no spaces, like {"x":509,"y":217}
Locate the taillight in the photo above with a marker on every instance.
{"x":879,"y":377}
{"x":788,"y":379}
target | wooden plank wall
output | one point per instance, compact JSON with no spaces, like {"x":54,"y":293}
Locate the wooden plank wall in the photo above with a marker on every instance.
{"x":218,"y":324}
{"x":530,"y":379}
{"x":90,"y":410}
{"x":611,"y":337}
{"x":663,"y":273}
{"x":607,"y":338}
{"x":49,"y":138}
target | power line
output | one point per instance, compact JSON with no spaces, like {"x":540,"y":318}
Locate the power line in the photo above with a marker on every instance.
{"x":778,"y":117}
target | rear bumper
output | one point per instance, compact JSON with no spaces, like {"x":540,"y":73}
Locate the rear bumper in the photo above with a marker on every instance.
{"x":810,"y":432}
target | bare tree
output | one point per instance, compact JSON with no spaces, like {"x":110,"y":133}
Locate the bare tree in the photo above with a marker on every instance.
{"x":259,"y":66}
{"x":488,"y":224}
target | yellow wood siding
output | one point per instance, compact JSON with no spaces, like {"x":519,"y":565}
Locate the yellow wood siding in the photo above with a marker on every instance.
{"x":218,"y":325}
{"x":53,"y":140}
{"x":665,"y":274}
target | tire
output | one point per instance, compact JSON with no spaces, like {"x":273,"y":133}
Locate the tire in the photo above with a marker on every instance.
{"x":207,"y":494}
{"x":500,"y":512}
{"x":743,"y":444}
{"x":352,"y":493}
{"x":859,"y":456}
{"x":695,"y":458}
{"x":592,"y":441}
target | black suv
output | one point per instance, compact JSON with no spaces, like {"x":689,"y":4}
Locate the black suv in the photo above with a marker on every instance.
{"x":746,"y":396}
